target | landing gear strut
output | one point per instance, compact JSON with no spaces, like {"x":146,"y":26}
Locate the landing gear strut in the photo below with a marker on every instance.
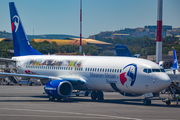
{"x":147,"y":101}
{"x":97,"y":95}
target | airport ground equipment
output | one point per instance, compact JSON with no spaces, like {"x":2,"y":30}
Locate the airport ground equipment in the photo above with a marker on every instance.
{"x":174,"y":89}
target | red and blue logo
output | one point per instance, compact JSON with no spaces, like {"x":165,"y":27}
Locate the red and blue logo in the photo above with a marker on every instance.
{"x":15,"y":24}
{"x":129,"y":72}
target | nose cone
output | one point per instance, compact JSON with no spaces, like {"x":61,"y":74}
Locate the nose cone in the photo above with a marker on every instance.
{"x":163,"y":81}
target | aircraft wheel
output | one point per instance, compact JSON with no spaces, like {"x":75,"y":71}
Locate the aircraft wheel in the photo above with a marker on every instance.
{"x":100,"y":95}
{"x":59,"y":99}
{"x":94,"y":95}
{"x":51,"y":98}
{"x":77,"y":93}
{"x":168,"y":102}
{"x":147,"y":101}
{"x":86,"y":93}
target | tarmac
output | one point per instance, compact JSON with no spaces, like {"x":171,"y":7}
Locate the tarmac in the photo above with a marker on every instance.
{"x":29,"y":102}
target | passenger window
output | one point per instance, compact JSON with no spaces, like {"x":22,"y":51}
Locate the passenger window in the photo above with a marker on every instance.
{"x":112,"y":70}
{"x":88,"y":69}
{"x":102,"y":70}
{"x":117,"y":70}
{"x":95,"y":69}
{"x":98,"y":70}
{"x":107,"y":70}
{"x":91,"y":69}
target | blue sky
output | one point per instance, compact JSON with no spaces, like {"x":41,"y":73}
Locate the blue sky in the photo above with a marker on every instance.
{"x":62,"y":16}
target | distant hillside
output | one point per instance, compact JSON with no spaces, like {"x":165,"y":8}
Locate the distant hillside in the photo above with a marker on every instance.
{"x":5,"y":35}
{"x":46,"y":36}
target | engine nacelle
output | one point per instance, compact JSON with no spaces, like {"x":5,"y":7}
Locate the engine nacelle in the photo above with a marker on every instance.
{"x":58,"y":88}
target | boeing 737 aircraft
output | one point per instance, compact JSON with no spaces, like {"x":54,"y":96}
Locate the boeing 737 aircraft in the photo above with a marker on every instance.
{"x":61,"y":74}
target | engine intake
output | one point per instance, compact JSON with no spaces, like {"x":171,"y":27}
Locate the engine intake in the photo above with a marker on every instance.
{"x":58,"y":88}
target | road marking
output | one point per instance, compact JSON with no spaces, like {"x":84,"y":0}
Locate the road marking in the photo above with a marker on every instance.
{"x":87,"y":114}
{"x":16,"y":115}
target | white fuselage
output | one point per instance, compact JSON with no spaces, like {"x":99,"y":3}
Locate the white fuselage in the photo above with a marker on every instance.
{"x":100,"y":73}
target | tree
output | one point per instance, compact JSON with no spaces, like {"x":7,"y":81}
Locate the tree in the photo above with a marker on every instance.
{"x":104,"y":53}
{"x":5,"y":54}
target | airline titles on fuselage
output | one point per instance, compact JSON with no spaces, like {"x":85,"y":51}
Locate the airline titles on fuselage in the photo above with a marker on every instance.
{"x":110,"y":78}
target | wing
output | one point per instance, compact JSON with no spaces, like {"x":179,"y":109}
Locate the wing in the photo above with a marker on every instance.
{"x":77,"y":83}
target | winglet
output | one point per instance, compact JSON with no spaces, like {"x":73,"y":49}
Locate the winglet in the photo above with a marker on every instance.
{"x":20,"y":41}
{"x":175,"y":62}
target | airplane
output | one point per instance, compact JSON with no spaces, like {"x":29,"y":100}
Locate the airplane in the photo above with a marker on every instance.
{"x":175,"y":67}
{"x":61,"y":75}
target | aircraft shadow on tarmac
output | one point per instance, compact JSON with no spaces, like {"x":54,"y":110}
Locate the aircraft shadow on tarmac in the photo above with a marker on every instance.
{"x":74,"y":99}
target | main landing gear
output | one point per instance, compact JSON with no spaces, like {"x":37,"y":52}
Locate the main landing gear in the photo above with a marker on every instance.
{"x":52,"y":98}
{"x":97,"y":95}
{"x":147,"y":101}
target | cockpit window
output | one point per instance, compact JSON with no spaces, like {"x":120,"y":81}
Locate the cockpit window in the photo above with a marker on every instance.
{"x":162,"y":70}
{"x":147,"y":70}
{"x":156,"y":70}
{"x":153,"y":70}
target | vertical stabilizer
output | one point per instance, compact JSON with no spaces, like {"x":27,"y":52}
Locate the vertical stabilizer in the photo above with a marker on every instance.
{"x":175,"y":62}
{"x":20,"y":41}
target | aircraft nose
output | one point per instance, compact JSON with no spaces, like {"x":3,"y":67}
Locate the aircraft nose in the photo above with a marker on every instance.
{"x":164,"y":81}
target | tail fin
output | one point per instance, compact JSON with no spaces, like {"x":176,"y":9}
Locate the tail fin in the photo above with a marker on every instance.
{"x":175,"y":62}
{"x":20,"y":42}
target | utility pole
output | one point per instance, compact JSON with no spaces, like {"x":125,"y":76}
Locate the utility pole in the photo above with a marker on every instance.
{"x":80,"y":47}
{"x":159,"y":32}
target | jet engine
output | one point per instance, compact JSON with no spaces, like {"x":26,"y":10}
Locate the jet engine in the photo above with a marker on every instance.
{"x":58,"y":88}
